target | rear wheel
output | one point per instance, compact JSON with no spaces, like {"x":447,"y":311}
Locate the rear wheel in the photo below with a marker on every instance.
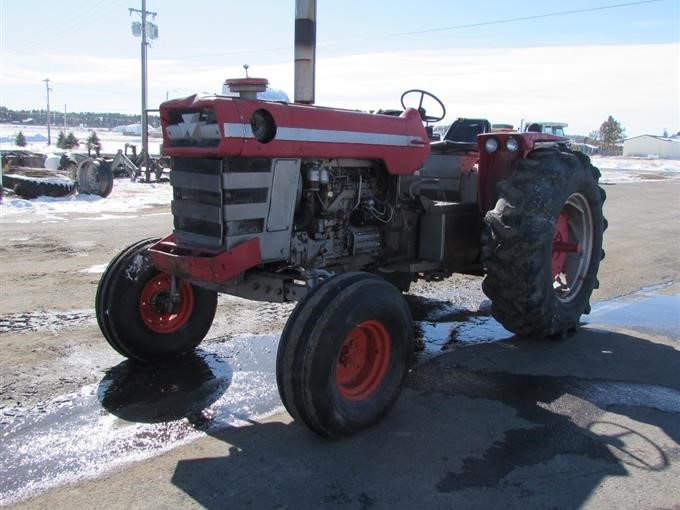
{"x":544,"y":244}
{"x":344,"y":353}
{"x":146,"y":316}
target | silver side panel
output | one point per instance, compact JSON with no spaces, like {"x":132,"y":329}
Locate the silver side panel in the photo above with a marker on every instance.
{"x":284,"y":189}
{"x":219,"y":203}
{"x":247,"y":180}
{"x":275,"y":215}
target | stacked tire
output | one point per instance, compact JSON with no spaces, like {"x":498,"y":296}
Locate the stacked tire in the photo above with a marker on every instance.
{"x":34,"y":187}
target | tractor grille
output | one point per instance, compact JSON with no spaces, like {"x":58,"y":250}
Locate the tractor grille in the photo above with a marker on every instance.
{"x":216,"y":201}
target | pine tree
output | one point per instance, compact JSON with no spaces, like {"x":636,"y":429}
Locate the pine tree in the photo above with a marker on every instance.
{"x":61,"y":138}
{"x":611,"y":133}
{"x":71,"y":141}
{"x":20,"y":140}
{"x":93,"y":144}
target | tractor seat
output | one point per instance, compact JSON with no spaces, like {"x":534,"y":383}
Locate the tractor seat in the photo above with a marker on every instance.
{"x":461,"y":136}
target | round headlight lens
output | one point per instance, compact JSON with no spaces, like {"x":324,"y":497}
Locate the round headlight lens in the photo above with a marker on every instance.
{"x":491,"y":145}
{"x":512,"y":144}
{"x":263,"y":126}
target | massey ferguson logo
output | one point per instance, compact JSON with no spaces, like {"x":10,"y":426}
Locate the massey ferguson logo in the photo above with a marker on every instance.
{"x":192,"y":128}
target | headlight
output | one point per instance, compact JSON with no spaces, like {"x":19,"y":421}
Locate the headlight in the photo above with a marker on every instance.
{"x":512,"y":144}
{"x":491,"y":145}
{"x":263,"y":126}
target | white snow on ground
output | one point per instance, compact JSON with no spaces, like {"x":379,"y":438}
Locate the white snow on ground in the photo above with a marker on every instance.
{"x":620,"y":170}
{"x":96,"y":269}
{"x":126,"y":197}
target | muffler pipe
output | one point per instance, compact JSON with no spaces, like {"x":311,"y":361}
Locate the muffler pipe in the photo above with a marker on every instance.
{"x":305,"y":50}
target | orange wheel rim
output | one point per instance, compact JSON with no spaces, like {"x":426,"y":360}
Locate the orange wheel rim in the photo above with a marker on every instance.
{"x":154,"y":316}
{"x":363,"y":360}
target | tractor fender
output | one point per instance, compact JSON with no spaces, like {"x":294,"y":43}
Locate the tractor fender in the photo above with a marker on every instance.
{"x":496,"y":165}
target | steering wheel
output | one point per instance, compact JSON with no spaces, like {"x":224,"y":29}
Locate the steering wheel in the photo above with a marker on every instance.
{"x":421,"y":110}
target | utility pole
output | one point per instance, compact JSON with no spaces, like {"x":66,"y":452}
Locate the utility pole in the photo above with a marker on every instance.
{"x":64,"y":120}
{"x":49,"y":131}
{"x":145,"y":31}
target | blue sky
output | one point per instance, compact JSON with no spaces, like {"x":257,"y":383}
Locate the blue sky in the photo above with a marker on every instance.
{"x":369,"y":52}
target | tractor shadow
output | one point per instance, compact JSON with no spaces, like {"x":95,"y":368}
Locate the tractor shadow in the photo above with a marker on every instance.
{"x":168,"y":391}
{"x":511,"y":424}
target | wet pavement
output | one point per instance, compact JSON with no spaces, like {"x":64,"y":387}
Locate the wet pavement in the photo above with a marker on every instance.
{"x":136,"y":412}
{"x":645,"y":310}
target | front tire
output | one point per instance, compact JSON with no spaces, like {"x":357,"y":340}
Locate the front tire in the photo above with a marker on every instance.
{"x":344,"y":353}
{"x":543,"y":247}
{"x":135,"y":316}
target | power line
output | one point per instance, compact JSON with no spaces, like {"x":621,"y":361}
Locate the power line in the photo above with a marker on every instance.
{"x":524,"y":18}
{"x":429,"y":30}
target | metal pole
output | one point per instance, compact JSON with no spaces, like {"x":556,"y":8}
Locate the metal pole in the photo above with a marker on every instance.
{"x":145,"y":127}
{"x":305,"y":50}
{"x":49,"y":131}
{"x":145,"y":124}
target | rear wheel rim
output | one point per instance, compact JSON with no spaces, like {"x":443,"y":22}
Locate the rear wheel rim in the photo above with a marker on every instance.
{"x":363,"y":360}
{"x":156,"y":290}
{"x":572,"y":247}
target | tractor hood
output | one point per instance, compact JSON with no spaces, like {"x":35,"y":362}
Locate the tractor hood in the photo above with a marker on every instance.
{"x":217,"y":126}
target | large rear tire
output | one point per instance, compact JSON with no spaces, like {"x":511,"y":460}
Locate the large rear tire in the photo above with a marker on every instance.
{"x":34,"y":187}
{"x":133,"y":311}
{"x":543,"y":247}
{"x":344,"y":353}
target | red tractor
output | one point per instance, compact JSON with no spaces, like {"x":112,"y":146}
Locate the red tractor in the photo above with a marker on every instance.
{"x":341,"y":210}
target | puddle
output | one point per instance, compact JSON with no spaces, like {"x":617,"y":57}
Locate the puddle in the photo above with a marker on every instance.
{"x":443,"y":336}
{"x":642,"y":311}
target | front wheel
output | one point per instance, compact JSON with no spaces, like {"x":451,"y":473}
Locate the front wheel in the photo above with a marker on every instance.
{"x":144,"y":314}
{"x":543,"y":246}
{"x":344,"y":353}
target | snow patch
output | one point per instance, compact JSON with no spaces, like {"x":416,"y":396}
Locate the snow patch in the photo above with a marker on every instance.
{"x":620,"y":170}
{"x":126,"y":197}
{"x":96,"y":269}
{"x":134,"y":268}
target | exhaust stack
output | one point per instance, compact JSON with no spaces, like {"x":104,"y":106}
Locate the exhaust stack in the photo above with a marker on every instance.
{"x":305,"y":50}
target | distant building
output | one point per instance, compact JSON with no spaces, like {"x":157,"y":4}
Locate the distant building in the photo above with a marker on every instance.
{"x":650,"y":145}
